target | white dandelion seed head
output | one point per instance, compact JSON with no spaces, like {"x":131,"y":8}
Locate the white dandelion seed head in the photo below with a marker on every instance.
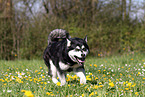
{"x":9,"y":91}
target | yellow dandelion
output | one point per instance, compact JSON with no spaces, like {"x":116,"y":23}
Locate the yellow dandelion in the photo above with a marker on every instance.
{"x":69,"y":85}
{"x":136,"y":93}
{"x":88,"y":79}
{"x":52,"y":95}
{"x":47,"y":93}
{"x":100,"y":86}
{"x":15,"y":55}
{"x":70,"y":95}
{"x":82,"y":95}
{"x":5,"y":84}
{"x":126,"y":88}
{"x":1,"y":79}
{"x":39,"y":72}
{"x":91,"y":94}
{"x":30,"y":80}
{"x":111,"y":84}
{"x":36,"y":71}
{"x":99,"y":55}
{"x":96,"y":93}
{"x":40,"y":67}
{"x":105,"y":78}
{"x":95,"y":65}
{"x":133,"y":85}
{"x":139,"y":73}
{"x":58,"y":83}
{"x":129,"y":84}
{"x":23,"y":90}
{"x":6,"y":75}
{"x":91,"y":74}
{"x":103,"y":75}
{"x":96,"y":78}
{"x":96,"y":87}
{"x":28,"y":94}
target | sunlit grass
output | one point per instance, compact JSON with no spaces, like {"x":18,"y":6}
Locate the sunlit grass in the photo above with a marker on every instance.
{"x":106,"y":77}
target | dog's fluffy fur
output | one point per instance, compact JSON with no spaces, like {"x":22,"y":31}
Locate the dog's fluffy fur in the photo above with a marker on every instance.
{"x":65,"y":56}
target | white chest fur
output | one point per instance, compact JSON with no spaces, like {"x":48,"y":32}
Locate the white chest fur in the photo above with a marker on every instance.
{"x":63,"y":66}
{"x":66,"y":66}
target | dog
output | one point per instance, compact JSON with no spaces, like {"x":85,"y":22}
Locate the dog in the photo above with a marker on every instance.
{"x":65,"y":55}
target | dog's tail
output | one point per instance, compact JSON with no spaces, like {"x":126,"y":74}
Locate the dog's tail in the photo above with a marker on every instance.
{"x":56,"y":35}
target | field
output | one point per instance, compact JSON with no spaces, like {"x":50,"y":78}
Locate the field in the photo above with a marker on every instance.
{"x":117,"y":76}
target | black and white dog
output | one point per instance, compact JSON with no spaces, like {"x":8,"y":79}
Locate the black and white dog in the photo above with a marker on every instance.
{"x":66,"y":55}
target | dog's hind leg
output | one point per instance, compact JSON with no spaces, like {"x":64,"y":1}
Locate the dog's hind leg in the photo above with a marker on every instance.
{"x":48,"y":65}
{"x":53,"y":72}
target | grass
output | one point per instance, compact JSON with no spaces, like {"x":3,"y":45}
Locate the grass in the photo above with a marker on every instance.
{"x":117,"y":76}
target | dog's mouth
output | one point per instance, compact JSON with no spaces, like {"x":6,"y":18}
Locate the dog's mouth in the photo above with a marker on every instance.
{"x":80,"y":61}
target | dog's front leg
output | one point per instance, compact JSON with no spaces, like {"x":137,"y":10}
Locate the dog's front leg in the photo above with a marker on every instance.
{"x":80,"y":72}
{"x":61,"y":76}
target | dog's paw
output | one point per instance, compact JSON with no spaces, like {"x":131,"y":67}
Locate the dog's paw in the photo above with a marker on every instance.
{"x":55,"y":80}
{"x":83,"y":80}
{"x":63,"y":83}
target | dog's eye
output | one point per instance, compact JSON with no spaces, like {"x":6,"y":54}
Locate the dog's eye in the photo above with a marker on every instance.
{"x":84,"y":49}
{"x":77,"y":50}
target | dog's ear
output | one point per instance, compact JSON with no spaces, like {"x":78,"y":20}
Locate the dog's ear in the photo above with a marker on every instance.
{"x":68,"y":43}
{"x":85,"y":39}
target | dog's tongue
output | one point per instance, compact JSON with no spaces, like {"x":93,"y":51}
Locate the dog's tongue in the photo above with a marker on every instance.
{"x":80,"y":61}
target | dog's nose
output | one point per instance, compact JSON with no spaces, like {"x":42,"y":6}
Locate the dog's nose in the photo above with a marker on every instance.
{"x":83,"y":55}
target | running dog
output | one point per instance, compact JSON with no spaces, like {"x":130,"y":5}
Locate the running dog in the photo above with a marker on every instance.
{"x":65,"y":55}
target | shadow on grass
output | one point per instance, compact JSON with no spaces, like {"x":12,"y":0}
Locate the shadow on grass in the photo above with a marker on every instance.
{"x":77,"y":81}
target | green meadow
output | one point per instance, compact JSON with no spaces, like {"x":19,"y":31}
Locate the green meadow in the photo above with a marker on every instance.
{"x":116,"y":76}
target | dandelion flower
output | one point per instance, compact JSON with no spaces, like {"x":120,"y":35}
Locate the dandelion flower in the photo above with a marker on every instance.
{"x":126,"y":88}
{"x":23,"y":90}
{"x":58,"y":83}
{"x":40,"y":67}
{"x":47,"y":93}
{"x":129,"y":84}
{"x":91,"y":94}
{"x":111,"y":84}
{"x":28,"y":94}
{"x":136,"y":93}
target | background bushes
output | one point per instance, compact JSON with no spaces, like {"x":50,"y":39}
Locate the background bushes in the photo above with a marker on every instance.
{"x":110,"y":27}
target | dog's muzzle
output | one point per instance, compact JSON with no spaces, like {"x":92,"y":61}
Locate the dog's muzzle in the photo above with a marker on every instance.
{"x":80,"y":61}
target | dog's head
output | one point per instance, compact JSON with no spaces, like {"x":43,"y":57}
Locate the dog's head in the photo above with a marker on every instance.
{"x":77,"y":49}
